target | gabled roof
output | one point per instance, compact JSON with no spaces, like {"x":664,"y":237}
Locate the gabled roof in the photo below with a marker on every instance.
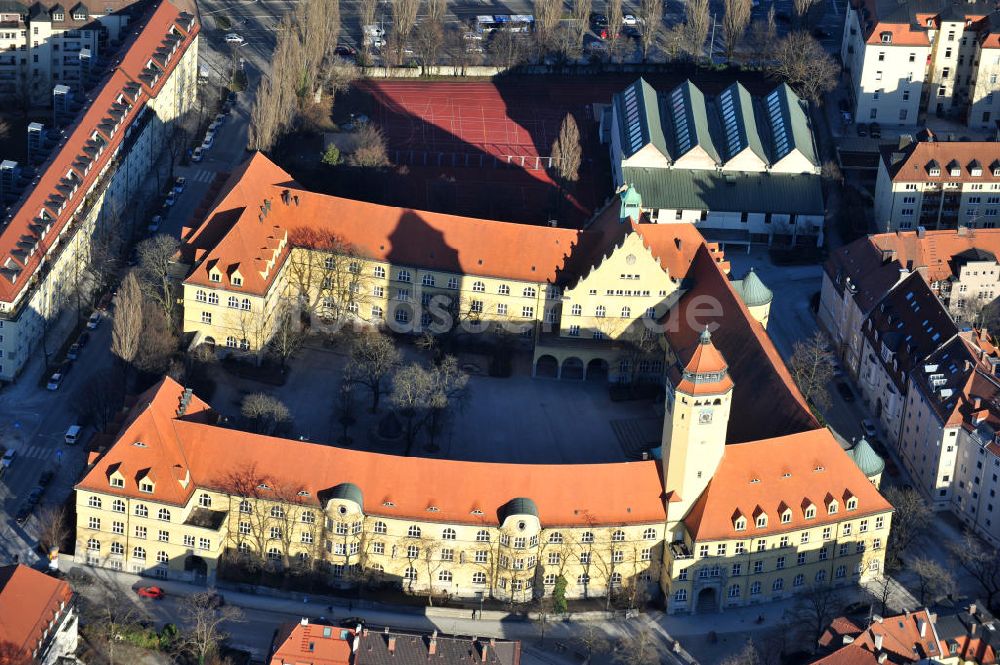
{"x":911,"y":164}
{"x":785,"y":470}
{"x":738,"y":122}
{"x":390,"y":485}
{"x":29,"y":600}
{"x":685,"y":109}
{"x":890,"y":641}
{"x":788,"y":125}
{"x":639,"y":113}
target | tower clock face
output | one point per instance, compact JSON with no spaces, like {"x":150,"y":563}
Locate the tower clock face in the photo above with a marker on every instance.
{"x":705,"y":416}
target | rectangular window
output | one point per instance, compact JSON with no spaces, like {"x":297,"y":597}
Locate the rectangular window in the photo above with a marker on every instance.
{"x":188,"y":541}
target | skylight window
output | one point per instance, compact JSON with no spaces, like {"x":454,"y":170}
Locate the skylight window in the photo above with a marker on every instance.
{"x":778,"y":126}
{"x":679,"y":112}
{"x":733,"y":141}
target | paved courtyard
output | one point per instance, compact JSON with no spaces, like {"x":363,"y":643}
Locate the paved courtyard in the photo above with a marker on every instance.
{"x":516,"y":419}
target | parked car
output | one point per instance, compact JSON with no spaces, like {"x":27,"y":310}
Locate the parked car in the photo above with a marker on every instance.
{"x":233,"y":38}
{"x":352,"y":622}
{"x":598,"y":21}
{"x":152,"y":592}
{"x":179,"y":184}
{"x":94,"y":321}
{"x":209,"y":140}
{"x":629,"y":19}
{"x":170,"y":200}
{"x":74,"y":351}
{"x":197,"y":155}
{"x":875,"y":130}
{"x":868,"y":425}
{"x":154,"y":223}
{"x":83,"y":339}
{"x":8,"y":458}
{"x":345,"y":52}
{"x":862,"y":129}
{"x":54,"y":381}
{"x":24,"y":513}
{"x":220,"y":118}
{"x":845,"y":391}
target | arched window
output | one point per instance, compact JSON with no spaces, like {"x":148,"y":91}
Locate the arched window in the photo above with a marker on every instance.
{"x":277,"y":511}
{"x":213,"y":298}
{"x":821,"y":576}
{"x":273,"y":554}
{"x":245,"y":304}
{"x":163,"y":515}
{"x":118,"y":506}
{"x":529,"y":292}
{"x":200,"y":296}
{"x":379,"y":527}
{"x":204,"y":500}
{"x":94,"y":545}
{"x":618,"y":536}
{"x":449,"y":534}
{"x":734,"y":591}
{"x":778,"y":584}
{"x":413,"y":531}
{"x":231,"y":342}
{"x":410,"y":574}
{"x":555,"y":537}
{"x":379,"y":271}
{"x":503,"y":290}
{"x":245,"y":506}
{"x":583,"y":579}
{"x":244,"y":546}
{"x":483,"y":536}
{"x":616,"y":580}
{"x":94,"y":502}
{"x":244,"y":345}
{"x":600,"y":312}
{"x":138,"y":553}
{"x":576,"y":310}
{"x":479,"y":578}
{"x":444,"y":576}
{"x":649,"y":534}
{"x":141,"y":510}
{"x":587,"y":537}
{"x":117,"y":548}
{"x":161,"y":557}
{"x":233,"y":302}
{"x":626,"y":312}
{"x":412,"y":551}
{"x":799,"y":580}
{"x":479,"y":287}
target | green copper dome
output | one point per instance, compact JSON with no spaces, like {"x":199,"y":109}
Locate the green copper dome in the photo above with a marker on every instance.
{"x":753,"y":290}
{"x":866,"y":459}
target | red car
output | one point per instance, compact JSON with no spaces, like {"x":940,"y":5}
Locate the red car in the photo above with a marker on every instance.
{"x":154,"y":592}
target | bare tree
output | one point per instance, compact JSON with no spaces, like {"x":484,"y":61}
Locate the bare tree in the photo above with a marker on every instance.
{"x":437,"y":10}
{"x":696,"y":24}
{"x":10,"y":653}
{"x":567,"y":153}
{"x":106,"y":619}
{"x":814,"y":608}
{"x":100,"y":398}
{"x":317,"y":24}
{"x":547,"y":16}
{"x":506,"y":48}
{"x":763,"y":35}
{"x":288,"y":336}
{"x":801,"y":9}
{"x":155,"y":256}
{"x":651,"y":15}
{"x":639,"y":649}
{"x":326,"y":279}
{"x":53,"y":528}
{"x":203,"y":620}
{"x":812,"y":366}
{"x":127,"y":325}
{"x":374,"y":357}
{"x":803,"y":62}
{"x":159,"y":343}
{"x":616,"y":21}
{"x":371,"y":150}
{"x":428,"y":43}
{"x":933,"y":580}
{"x":265,"y":412}
{"x":748,"y":655}
{"x":423,"y":396}
{"x":734,"y":24}
{"x":594,"y":639}
{"x":981,"y":563}
{"x":404,"y":18}
{"x":366,"y":16}
{"x":675,"y":41}
{"x":581,"y":20}
{"x":911,"y":517}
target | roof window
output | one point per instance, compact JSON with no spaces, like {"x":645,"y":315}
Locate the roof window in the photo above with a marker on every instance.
{"x":886,"y":37}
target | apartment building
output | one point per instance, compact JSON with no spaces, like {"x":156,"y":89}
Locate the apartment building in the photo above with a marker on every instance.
{"x":938,"y":185}
{"x":86,"y":189}
{"x":741,"y":168}
{"x":38,"y":620}
{"x":907,"y":60}
{"x":44,"y":44}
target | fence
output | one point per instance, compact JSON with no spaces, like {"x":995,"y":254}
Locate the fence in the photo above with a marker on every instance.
{"x":471,"y":160}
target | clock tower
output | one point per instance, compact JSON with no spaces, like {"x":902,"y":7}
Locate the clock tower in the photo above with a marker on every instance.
{"x":699,"y":395}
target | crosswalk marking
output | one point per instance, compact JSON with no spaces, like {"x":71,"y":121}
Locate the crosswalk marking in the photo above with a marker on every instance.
{"x":37,"y":452}
{"x":202,"y":175}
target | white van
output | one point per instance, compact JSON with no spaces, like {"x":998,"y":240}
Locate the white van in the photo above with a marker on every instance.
{"x":73,"y":434}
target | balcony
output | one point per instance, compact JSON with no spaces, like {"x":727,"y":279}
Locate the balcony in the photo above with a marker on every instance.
{"x":680,"y":550}
{"x":204,"y":518}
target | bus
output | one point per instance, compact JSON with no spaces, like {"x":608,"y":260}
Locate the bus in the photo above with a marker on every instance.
{"x":516,"y":23}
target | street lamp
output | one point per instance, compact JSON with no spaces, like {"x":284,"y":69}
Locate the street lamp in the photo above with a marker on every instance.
{"x":482,"y":597}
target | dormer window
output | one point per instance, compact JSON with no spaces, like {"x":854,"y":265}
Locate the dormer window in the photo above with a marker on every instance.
{"x":237,"y":280}
{"x":741,"y":523}
{"x":117,"y":481}
{"x":786,"y":517}
{"x":852,"y":503}
{"x":976,"y":169}
{"x":933,"y":169}
{"x":886,"y":37}
{"x":58,"y":16}
{"x":762,"y":520}
{"x":79,"y":15}
{"x":832,"y":507}
{"x":954,"y":170}
{"x":204,"y":500}
{"x":930,"y":23}
{"x":146,"y":485}
{"x":215,"y":276}
{"x":811,"y":512}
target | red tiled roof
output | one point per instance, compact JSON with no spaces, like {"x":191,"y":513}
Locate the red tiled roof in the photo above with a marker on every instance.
{"x":794,"y":470}
{"x":900,"y":641}
{"x":903,"y":34}
{"x":914,"y":162}
{"x":237,"y":232}
{"x":763,"y":383}
{"x":29,"y":600}
{"x":16,"y":263}
{"x":629,"y":492}
{"x":298,"y":643}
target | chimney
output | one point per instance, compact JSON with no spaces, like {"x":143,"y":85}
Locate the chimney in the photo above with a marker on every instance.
{"x":882,"y":657}
{"x":304,"y":621}
{"x":972,"y":629}
{"x":432,"y":647}
{"x":877,"y":618}
{"x":355,"y":644}
{"x":977,"y":402}
{"x":364,"y":632}
{"x":972,"y":609}
{"x":392,"y":646}
{"x":906,"y":612}
{"x":921,"y":231}
{"x":877,"y":638}
{"x":486,"y":652}
{"x":922,"y":627}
